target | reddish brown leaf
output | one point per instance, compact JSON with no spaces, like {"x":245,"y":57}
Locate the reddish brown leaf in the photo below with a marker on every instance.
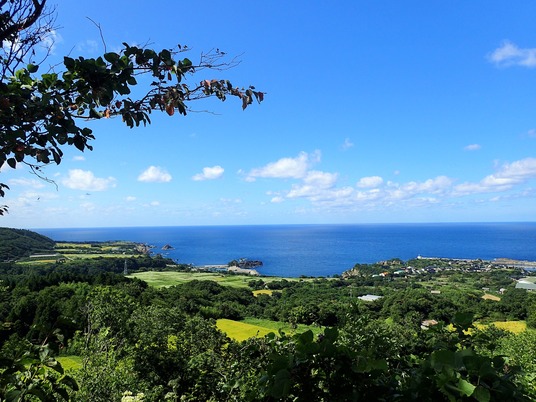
{"x":170,"y":109}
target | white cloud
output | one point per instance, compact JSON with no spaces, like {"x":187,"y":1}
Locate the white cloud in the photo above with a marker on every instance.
{"x":314,"y":184}
{"x":372,"y":192}
{"x":155,"y":174}
{"x":33,"y":183}
{"x":79,"y":179}
{"x":88,"y":46}
{"x":347,"y":144}
{"x":209,"y":173}
{"x":286,"y":168}
{"x":130,"y":198}
{"x":277,"y":200}
{"x":439,"y":184}
{"x":231,"y":201}
{"x":320,"y":179}
{"x":472,"y":147}
{"x":79,"y":158}
{"x":370,"y":182}
{"x":50,"y":41}
{"x":505,"y":178}
{"x":509,"y":54}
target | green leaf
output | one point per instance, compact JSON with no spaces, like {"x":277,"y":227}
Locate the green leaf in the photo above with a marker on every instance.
{"x":93,"y":114}
{"x":306,"y":337}
{"x":68,"y":62}
{"x":466,"y":387}
{"x":111,"y":57}
{"x":482,"y":394}
{"x":165,"y":55}
{"x":37,"y":391}
{"x":463,"y":320}
{"x":57,"y":157}
{"x":331,"y":334}
{"x":32,"y":68}
{"x":12,"y":163}
{"x":70,"y":382}
{"x":441,"y":358}
{"x":281,"y":384}
{"x":79,"y":142}
{"x":12,"y":395}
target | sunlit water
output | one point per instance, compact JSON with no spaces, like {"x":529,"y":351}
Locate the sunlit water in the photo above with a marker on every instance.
{"x":321,"y":250}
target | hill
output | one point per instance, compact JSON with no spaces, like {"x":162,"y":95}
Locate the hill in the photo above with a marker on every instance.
{"x":18,"y":243}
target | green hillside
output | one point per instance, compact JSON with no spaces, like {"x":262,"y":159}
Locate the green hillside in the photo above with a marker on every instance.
{"x":19,"y":243}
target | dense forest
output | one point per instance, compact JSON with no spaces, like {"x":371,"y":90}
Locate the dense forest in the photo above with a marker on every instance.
{"x":17,"y":243}
{"x":133,"y":341}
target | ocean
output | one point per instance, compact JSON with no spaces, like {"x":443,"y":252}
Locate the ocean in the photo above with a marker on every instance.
{"x":321,"y":250}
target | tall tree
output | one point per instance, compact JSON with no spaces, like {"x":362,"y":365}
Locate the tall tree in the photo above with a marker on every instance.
{"x":39,"y":115}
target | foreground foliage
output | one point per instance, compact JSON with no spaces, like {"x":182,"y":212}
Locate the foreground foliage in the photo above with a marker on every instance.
{"x":41,"y":115}
{"x":137,"y":342}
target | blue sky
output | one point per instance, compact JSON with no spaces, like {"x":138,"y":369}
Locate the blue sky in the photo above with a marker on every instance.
{"x":375,"y":112}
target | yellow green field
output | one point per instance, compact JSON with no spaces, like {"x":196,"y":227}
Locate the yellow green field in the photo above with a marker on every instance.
{"x":70,"y":362}
{"x":240,"y":331}
{"x":171,"y":278}
{"x":73,"y":246}
{"x":275,"y":326}
{"x":255,"y":327}
{"x":263,"y":292}
{"x":82,"y":256}
{"x":513,"y":326}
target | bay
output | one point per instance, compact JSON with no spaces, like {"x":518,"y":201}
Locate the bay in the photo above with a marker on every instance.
{"x":321,"y":250}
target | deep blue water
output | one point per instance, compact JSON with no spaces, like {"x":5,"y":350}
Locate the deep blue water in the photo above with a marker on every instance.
{"x":321,"y":250}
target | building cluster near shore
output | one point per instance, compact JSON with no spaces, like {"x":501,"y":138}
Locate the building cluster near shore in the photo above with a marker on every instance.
{"x":396,"y":268}
{"x":466,"y":265}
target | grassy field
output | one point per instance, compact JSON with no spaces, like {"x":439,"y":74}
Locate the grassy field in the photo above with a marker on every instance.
{"x":240,"y":331}
{"x":263,"y":292}
{"x":254,"y":327}
{"x":170,"y":278}
{"x":487,"y":296}
{"x":513,"y":326}
{"x":82,"y":256}
{"x":73,"y":246}
{"x":275,"y":326}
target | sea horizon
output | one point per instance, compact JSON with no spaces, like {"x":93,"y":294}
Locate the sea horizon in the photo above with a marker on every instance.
{"x":284,"y":224}
{"x":320,"y":249}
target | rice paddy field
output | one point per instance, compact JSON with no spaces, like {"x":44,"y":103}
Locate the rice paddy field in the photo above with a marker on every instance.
{"x":253,"y":327}
{"x":513,"y":326}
